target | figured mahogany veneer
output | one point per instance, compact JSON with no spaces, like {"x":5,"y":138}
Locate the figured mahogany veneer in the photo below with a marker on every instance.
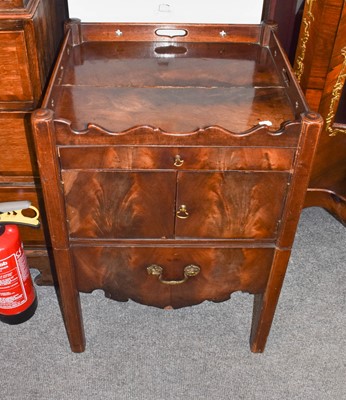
{"x":122,"y":273}
{"x":234,"y":204}
{"x":162,"y":180}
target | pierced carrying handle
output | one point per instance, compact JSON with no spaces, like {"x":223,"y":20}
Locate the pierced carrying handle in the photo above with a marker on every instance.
{"x":189,"y":271}
{"x":171,"y":33}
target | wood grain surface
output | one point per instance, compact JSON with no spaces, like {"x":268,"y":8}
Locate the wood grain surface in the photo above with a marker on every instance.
{"x":122,"y":273}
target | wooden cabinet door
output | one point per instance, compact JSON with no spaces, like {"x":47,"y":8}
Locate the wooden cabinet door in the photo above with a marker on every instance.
{"x":120,"y":204}
{"x":230,"y":204}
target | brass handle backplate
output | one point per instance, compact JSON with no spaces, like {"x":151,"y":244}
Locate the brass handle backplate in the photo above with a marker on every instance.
{"x":189,"y":271}
{"x":178,"y":161}
{"x":182,"y":212}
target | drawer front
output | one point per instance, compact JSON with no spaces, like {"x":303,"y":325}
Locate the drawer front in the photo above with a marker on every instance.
{"x":15,"y":83}
{"x":17,"y":146}
{"x":30,"y":236}
{"x":126,"y":273}
{"x":230,"y":205}
{"x":186,"y":158}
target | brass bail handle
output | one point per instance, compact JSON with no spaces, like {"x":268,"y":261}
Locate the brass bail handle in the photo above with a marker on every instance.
{"x":182,"y":212}
{"x":178,"y":161}
{"x":189,"y":271}
{"x":12,"y":213}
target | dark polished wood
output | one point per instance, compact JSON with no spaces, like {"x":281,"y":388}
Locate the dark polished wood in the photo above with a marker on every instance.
{"x":122,"y":273}
{"x":287,"y":14}
{"x":162,"y":180}
{"x":145,"y":157}
{"x":320,"y":65}
{"x":235,"y":205}
{"x":30,"y":35}
{"x":104,"y":204}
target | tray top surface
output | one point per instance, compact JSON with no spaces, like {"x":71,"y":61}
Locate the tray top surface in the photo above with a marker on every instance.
{"x":177,"y":87}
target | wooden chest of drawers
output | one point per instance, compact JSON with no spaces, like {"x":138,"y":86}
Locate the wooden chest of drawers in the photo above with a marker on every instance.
{"x":30,"y":34}
{"x":162,"y":179}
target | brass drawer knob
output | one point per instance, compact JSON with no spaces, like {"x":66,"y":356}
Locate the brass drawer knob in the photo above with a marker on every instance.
{"x":182,"y":212}
{"x":178,"y":161}
{"x":189,"y":271}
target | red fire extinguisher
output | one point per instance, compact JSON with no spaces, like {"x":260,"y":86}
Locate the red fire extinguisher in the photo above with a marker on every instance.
{"x":18,"y":300}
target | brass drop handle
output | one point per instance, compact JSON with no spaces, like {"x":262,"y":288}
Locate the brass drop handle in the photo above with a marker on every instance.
{"x":189,"y":271}
{"x":178,"y":161}
{"x":182,"y":212}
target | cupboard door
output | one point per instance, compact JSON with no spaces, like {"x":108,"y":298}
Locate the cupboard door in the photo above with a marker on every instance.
{"x":120,"y":204}
{"x":230,"y":204}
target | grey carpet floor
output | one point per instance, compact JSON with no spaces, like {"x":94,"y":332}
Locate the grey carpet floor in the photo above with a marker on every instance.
{"x":200,"y":352}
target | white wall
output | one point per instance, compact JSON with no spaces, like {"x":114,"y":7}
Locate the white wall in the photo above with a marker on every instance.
{"x":194,"y":11}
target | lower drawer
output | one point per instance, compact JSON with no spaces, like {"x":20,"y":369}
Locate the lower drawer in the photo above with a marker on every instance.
{"x":171,"y":276}
{"x":30,"y":236}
